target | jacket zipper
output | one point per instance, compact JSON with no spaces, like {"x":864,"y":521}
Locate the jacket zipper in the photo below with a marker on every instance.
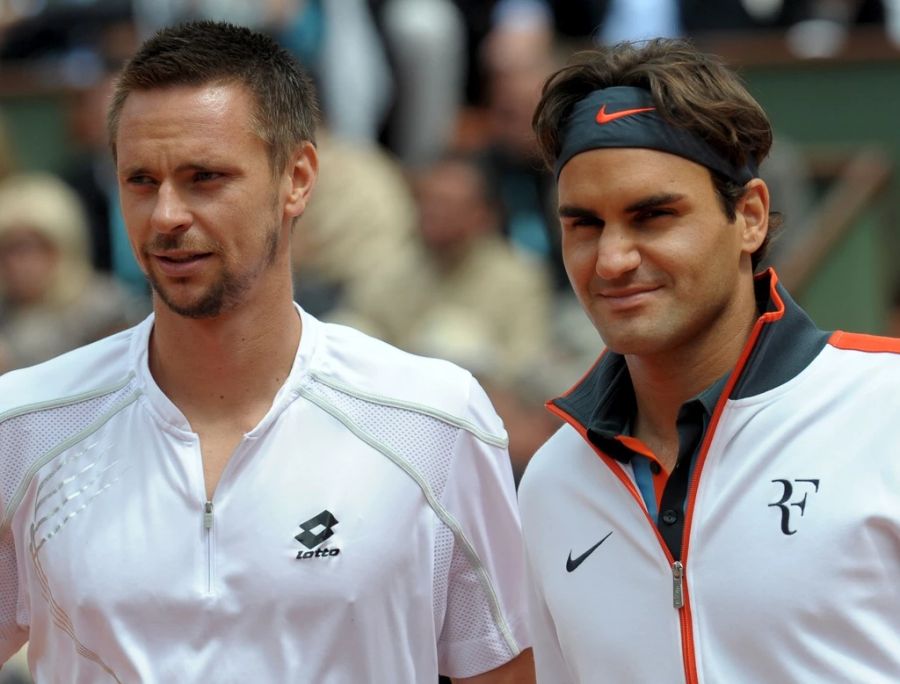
{"x":678,"y":584}
{"x":680,"y":602}
{"x":680,"y":596}
{"x":208,"y":526}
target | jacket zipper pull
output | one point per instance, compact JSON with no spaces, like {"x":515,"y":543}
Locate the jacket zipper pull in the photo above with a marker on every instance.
{"x":208,"y":516}
{"x":677,"y":589}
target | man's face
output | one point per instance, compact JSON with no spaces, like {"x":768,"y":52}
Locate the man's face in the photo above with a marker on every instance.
{"x":207,"y":218}
{"x":653,"y":259}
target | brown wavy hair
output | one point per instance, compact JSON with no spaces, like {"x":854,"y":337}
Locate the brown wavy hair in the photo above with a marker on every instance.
{"x":691,"y":89}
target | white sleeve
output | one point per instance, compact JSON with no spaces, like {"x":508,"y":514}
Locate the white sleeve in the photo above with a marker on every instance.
{"x":485,"y":620}
{"x":12,"y":636}
{"x":14,"y":462}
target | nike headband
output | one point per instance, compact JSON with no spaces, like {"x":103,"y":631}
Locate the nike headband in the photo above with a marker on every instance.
{"x":624,"y":116}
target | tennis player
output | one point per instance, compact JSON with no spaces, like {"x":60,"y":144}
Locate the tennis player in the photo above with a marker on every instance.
{"x":233,"y":490}
{"x":722,"y":502}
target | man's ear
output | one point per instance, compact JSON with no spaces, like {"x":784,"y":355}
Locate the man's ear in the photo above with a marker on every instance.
{"x":753,"y":212}
{"x":302,"y":172}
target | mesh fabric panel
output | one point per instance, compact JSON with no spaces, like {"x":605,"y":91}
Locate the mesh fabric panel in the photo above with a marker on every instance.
{"x":443,"y":555}
{"x":9,"y":588}
{"x":26,"y":440}
{"x":470,"y":637}
{"x":424,"y":442}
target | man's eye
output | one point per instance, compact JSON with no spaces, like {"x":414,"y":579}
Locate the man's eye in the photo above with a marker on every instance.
{"x":203,"y":176}
{"x":654,"y":213}
{"x":586,"y":222}
{"x":139,"y":180}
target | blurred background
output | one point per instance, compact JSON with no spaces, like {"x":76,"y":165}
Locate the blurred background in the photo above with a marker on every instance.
{"x":433,"y":225}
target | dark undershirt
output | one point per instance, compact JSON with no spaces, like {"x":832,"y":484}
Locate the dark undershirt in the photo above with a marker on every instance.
{"x":693,"y":420}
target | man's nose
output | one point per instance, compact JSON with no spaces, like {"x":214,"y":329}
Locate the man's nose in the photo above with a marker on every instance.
{"x":171,"y":212}
{"x":617,"y":253}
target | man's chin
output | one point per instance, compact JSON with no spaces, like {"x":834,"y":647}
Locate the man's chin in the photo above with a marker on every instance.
{"x":208,"y":305}
{"x":633,"y":343}
{"x":200,"y":312}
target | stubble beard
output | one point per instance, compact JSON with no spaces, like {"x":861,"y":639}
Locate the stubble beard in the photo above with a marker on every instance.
{"x":226,"y":292}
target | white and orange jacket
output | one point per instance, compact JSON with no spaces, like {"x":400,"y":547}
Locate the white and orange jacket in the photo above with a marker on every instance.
{"x":789,"y":567}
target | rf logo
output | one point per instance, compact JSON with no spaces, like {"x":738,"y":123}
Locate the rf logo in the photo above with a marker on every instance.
{"x":807,"y":486}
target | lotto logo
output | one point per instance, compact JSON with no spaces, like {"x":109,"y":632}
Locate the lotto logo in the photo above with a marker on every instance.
{"x":315,"y":531}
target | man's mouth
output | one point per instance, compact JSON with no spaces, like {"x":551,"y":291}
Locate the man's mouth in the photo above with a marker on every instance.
{"x":625,"y":292}
{"x":181,"y":257}
{"x":180,"y":264}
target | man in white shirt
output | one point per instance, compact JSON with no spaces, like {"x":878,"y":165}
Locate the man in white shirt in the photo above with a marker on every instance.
{"x":232,"y":490}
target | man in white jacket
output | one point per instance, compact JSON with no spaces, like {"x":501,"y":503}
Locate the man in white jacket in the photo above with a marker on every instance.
{"x":721,"y":505}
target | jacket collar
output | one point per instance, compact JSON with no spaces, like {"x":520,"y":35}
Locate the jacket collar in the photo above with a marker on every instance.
{"x":783,"y":342}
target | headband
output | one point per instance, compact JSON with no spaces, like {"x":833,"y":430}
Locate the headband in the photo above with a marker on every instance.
{"x":624,"y":116}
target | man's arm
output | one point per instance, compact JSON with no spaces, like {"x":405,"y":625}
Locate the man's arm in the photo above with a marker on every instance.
{"x":12,"y":636}
{"x":519,"y":670}
{"x":486,"y":617}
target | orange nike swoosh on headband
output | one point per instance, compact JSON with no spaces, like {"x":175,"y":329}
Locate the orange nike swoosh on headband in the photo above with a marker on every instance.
{"x":604,"y":118}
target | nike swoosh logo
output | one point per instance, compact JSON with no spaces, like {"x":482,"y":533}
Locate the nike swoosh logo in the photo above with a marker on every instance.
{"x":604,"y":118}
{"x":571,"y":563}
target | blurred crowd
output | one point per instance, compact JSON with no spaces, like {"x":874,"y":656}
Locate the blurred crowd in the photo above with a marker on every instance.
{"x":433,"y":224}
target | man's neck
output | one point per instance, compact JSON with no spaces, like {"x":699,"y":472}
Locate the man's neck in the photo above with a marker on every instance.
{"x":232,"y":364}
{"x":663,"y":383}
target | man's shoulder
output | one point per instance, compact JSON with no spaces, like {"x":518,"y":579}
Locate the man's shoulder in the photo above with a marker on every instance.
{"x":372,"y":370}
{"x":870,"y":344}
{"x":369,"y":363}
{"x":83,"y":372}
{"x":871,"y":359}
{"x":557,"y":458}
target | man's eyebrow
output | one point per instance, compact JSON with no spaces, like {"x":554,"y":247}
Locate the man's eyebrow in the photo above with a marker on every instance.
{"x":653,"y":201}
{"x":133,"y":171}
{"x":571,"y":211}
{"x":650,"y":202}
{"x":202,"y":165}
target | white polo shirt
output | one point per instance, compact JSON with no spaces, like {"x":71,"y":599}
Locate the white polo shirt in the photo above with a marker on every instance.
{"x":366,"y":530}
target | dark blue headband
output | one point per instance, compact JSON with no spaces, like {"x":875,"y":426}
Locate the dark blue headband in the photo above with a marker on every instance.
{"x":624,"y":116}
